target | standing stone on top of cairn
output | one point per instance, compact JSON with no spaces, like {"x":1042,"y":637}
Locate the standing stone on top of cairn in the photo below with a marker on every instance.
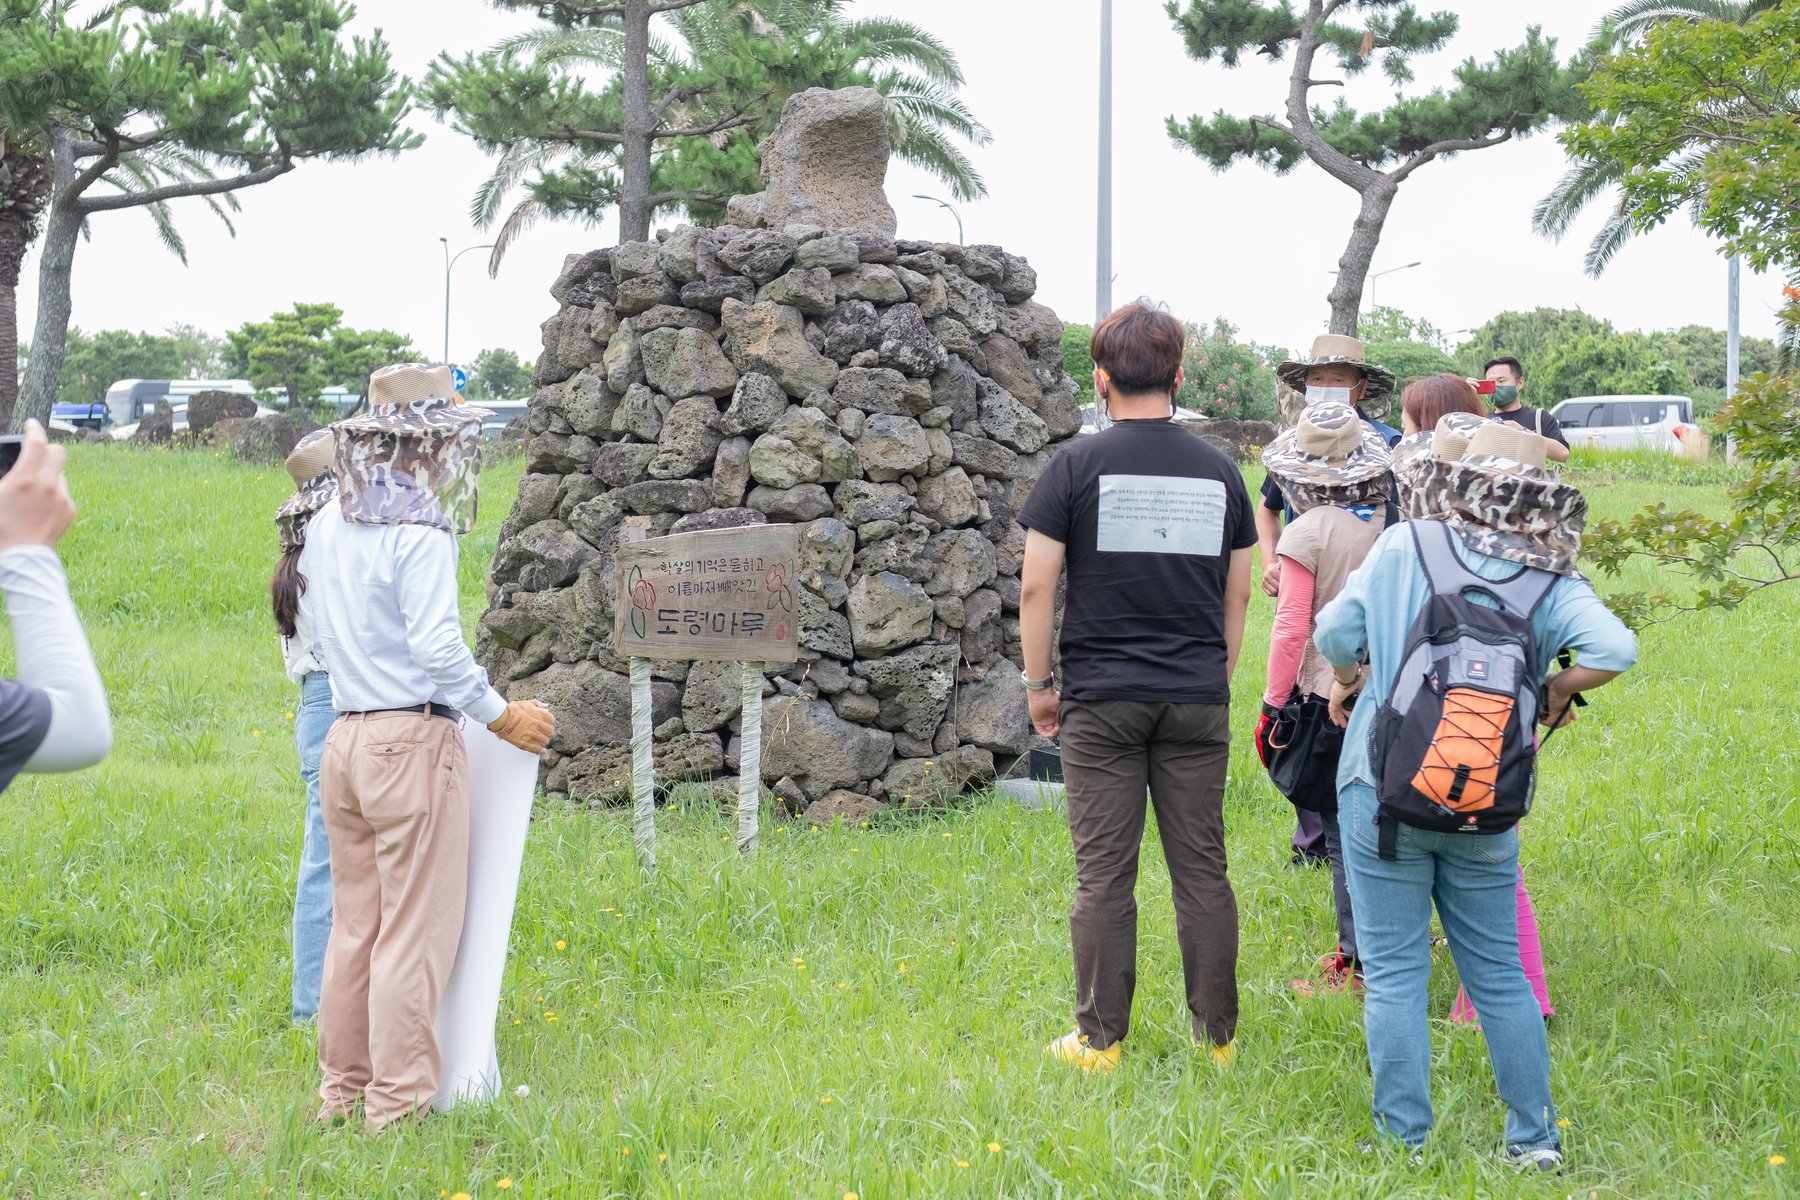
{"x":895,"y":400}
{"x":825,"y":166}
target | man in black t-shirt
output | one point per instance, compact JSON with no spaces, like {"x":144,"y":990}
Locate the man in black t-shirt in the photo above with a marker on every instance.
{"x":1509,"y":381}
{"x":1155,"y":527}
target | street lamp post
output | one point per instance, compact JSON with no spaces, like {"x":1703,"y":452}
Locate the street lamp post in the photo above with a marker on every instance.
{"x":1374,"y":295}
{"x":1103,"y":272}
{"x":450,"y":261}
{"x":947,"y":206}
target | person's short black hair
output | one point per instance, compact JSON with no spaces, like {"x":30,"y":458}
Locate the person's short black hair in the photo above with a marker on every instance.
{"x":1507,"y":361}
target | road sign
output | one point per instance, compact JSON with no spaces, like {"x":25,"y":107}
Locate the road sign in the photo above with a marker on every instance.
{"x":460,"y":376}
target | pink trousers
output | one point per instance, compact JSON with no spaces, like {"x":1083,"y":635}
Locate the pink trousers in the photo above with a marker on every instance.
{"x":1531,"y":957}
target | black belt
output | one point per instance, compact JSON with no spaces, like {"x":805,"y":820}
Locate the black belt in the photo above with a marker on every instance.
{"x":433,"y":709}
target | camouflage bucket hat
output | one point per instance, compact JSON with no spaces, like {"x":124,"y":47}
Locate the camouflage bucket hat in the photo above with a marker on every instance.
{"x":1503,"y":503}
{"x":1409,"y":457}
{"x":316,"y":486}
{"x":1331,"y":447}
{"x":1331,"y":349}
{"x":417,"y":463}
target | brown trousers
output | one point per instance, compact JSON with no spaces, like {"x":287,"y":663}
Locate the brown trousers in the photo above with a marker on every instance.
{"x":394,"y":791}
{"x":1112,"y":750}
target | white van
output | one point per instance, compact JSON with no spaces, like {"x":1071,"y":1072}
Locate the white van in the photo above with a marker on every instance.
{"x":1628,"y":422}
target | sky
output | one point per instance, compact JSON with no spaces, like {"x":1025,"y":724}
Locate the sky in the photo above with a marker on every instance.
{"x":1246,"y":245}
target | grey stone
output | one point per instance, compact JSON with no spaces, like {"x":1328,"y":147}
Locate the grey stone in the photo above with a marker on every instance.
{"x":972,"y":304}
{"x":822,"y":630}
{"x":592,"y":705}
{"x":576,"y":491}
{"x":770,"y":339}
{"x":666,"y":495}
{"x":888,"y":611}
{"x":1031,"y":325}
{"x":863,"y":502}
{"x":622,"y":360}
{"x":806,"y":741}
{"x":841,"y":804}
{"x":594,"y":519}
{"x":584,"y":279}
{"x":826,"y":163}
{"x":557,"y":453}
{"x":618,"y":463}
{"x":850,"y":420}
{"x":872,"y":282}
{"x":712,"y":696}
{"x":876,"y":248}
{"x":917,"y":783}
{"x":818,"y":436}
{"x":949,"y":498}
{"x":801,"y":503}
{"x":892,"y":446}
{"x":834,"y":252}
{"x":950,"y":610}
{"x":635,"y":259}
{"x":955,"y":338}
{"x":777,"y":462}
{"x":808,"y":289}
{"x":585,"y":402}
{"x":641,"y":413}
{"x":856,"y":706}
{"x":206,"y":409}
{"x":1019,"y":282}
{"x":546,"y":555}
{"x":907,"y":343}
{"x":673,"y":316}
{"x":686,"y":362}
{"x":853,"y":329}
{"x":915,"y":685}
{"x":709,"y":294}
{"x":902,"y":553}
{"x":983,"y":264}
{"x":645,"y":292}
{"x":689,"y":440}
{"x":536,"y":499}
{"x":718,"y":518}
{"x":690,"y":254}
{"x":926,"y":291}
{"x":1008,"y":367}
{"x":937,"y":439}
{"x":873,"y":390}
{"x":750,"y":211}
{"x":731,"y":472}
{"x":762,"y":254}
{"x":955,"y":388}
{"x":756,"y":402}
{"x":1009,"y":422}
{"x":1062,"y":415}
{"x":827,"y":548}
{"x":995,"y":713}
{"x":960,"y":561}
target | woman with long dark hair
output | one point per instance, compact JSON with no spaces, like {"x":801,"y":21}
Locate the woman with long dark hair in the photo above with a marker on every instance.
{"x":310,"y":467}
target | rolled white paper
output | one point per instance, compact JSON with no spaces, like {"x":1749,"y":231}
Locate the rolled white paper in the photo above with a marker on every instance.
{"x":502,"y":779}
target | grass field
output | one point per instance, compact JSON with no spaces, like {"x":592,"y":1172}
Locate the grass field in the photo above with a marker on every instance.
{"x":857,"y":1010}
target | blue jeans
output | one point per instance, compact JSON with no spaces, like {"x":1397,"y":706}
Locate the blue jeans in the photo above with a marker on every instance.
{"x":1473,"y":879}
{"x":312,"y":893}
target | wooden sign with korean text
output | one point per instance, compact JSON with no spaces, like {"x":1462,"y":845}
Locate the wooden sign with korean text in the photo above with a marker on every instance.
{"x":719,"y":595}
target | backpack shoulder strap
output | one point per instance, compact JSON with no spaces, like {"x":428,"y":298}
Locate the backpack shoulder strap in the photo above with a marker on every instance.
{"x":1448,"y":574}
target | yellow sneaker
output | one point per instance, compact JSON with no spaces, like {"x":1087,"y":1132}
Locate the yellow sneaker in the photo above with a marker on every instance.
{"x":1073,"y":1048}
{"x":1222,"y":1056}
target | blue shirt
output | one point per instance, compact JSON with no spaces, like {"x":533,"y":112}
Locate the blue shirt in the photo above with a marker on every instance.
{"x":1375,"y":612}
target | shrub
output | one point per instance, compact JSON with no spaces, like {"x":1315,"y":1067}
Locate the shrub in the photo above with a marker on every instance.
{"x":1226,"y":378}
{"x":1078,"y":363}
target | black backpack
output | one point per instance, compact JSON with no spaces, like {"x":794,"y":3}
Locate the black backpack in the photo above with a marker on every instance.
{"x":1454,"y":744}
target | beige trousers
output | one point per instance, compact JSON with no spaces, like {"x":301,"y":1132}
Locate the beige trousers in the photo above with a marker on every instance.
{"x":394,"y":791}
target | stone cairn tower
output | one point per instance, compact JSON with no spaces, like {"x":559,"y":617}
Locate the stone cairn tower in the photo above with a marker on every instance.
{"x":895,"y":400}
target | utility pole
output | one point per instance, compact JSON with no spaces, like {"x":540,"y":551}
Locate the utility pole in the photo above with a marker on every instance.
{"x":1733,"y":336}
{"x":450,"y":261}
{"x":1103,"y":272}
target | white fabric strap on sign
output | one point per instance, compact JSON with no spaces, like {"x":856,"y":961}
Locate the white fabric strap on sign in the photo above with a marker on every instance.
{"x":643,"y":767}
{"x":750,"y":758}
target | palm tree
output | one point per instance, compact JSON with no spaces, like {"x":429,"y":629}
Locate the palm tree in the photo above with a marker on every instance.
{"x":1586,"y":181}
{"x":803,"y":43}
{"x":24,"y":186}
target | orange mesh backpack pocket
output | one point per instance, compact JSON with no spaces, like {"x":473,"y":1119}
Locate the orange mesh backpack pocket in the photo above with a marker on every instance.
{"x":1461,"y":766}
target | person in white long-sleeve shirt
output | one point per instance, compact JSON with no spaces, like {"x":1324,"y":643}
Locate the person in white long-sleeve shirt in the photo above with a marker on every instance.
{"x":381,"y":575}
{"x":53,"y":717}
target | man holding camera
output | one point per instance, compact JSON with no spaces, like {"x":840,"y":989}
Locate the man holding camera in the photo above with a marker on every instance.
{"x":1507,"y":380}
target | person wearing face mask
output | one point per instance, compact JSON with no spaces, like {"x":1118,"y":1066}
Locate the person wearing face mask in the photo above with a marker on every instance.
{"x":1509,"y":381}
{"x":1337,"y":370}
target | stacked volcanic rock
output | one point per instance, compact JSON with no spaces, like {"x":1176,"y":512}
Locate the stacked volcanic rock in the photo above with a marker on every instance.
{"x":896,"y":400}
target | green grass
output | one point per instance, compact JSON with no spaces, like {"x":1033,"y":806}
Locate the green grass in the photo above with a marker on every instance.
{"x":144,"y":907}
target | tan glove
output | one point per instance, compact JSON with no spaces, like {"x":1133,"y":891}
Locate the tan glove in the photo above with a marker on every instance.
{"x":527,"y":724}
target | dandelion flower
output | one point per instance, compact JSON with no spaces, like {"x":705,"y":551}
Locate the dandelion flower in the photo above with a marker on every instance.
{"x":504,"y":1183}
{"x":850,"y":1196}
{"x":662,"y":1158}
{"x":561,"y":945}
{"x":625,"y":1152}
{"x":946,"y":835}
{"x":963,"y":1163}
{"x":993,"y":1147}
{"x":290,"y":716}
{"x":460,"y":1196}
{"x":824,"y":1099}
{"x":256,"y":733}
{"x":1562,"y":1122}
{"x":1777,"y":1160}
{"x":903,"y":968}
{"x":842,"y":985}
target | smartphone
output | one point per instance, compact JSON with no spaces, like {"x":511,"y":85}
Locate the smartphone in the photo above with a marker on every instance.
{"x":9,"y":450}
{"x":1484,"y":387}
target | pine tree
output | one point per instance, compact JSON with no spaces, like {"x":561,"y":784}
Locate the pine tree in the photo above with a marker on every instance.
{"x":1519,"y":92}
{"x":144,"y":103}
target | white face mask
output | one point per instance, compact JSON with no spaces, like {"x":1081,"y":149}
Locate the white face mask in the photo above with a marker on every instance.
{"x":1328,"y":395}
